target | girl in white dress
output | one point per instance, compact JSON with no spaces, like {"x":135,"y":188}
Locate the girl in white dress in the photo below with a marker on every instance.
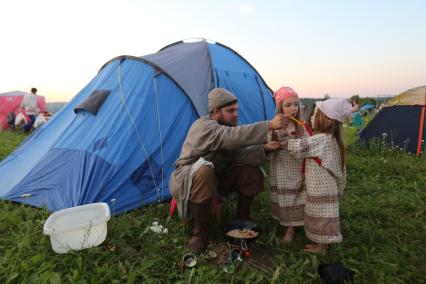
{"x":325,"y":172}
{"x":286,"y":177}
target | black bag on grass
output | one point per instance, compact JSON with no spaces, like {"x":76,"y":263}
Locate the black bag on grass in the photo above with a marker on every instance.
{"x":335,"y":273}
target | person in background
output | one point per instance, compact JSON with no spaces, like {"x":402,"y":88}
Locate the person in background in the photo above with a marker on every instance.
{"x":356,"y":117}
{"x":286,"y":177}
{"x":29,"y":105}
{"x":217,"y":154}
{"x":325,"y":172}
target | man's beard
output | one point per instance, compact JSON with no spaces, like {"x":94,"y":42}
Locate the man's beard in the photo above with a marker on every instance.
{"x":227,"y":123}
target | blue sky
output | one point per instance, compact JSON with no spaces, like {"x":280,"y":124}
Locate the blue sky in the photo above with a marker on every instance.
{"x":322,"y":47}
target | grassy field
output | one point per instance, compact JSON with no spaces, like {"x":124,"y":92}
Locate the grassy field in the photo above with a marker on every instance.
{"x":382,"y":215}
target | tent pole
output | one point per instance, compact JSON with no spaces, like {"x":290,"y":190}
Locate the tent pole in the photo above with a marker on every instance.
{"x":422,"y":118}
{"x":419,"y":140}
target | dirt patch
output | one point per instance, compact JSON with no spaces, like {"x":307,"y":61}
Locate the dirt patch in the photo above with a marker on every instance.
{"x":259,"y":256}
{"x":222,"y":252}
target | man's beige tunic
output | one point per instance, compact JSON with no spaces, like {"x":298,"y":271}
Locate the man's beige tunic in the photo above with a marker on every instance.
{"x":222,"y":145}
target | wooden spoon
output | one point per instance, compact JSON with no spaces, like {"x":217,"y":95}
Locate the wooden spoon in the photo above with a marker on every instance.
{"x":297,"y":121}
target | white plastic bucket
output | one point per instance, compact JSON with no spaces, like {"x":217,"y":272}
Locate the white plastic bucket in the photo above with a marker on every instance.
{"x":77,"y":228}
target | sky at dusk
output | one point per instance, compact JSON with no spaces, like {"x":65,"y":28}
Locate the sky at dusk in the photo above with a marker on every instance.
{"x":333,"y":47}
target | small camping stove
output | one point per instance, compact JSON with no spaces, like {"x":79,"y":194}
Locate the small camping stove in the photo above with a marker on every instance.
{"x":237,"y":253}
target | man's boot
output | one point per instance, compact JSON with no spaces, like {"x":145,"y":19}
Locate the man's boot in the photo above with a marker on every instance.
{"x":200,"y":213}
{"x":243,"y":207}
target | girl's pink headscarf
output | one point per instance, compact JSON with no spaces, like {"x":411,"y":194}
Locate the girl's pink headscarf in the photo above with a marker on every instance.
{"x":284,"y":92}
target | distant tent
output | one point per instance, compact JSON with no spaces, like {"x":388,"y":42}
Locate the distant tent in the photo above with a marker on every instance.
{"x":368,"y":107}
{"x":401,"y":121}
{"x":11,"y":101}
{"x":117,"y":140}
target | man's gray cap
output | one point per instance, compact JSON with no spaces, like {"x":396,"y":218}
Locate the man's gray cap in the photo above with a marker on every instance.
{"x":219,"y":97}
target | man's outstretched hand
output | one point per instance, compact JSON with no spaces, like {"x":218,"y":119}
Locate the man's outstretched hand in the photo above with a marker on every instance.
{"x":280,"y":121}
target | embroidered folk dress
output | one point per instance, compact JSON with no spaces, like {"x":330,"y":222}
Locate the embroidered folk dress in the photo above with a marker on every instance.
{"x":325,"y":182}
{"x":286,"y":183}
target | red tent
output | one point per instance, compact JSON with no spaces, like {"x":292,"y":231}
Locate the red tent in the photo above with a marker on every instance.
{"x":10,"y":102}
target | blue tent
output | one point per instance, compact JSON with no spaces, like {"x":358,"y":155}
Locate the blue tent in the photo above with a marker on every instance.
{"x":117,"y":140}
{"x":368,"y":107}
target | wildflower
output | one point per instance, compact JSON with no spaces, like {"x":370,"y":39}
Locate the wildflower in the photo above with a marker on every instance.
{"x":158,"y":228}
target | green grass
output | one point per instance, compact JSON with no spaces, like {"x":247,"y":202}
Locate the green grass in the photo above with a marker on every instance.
{"x":382,"y":215}
{"x":9,"y":141}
